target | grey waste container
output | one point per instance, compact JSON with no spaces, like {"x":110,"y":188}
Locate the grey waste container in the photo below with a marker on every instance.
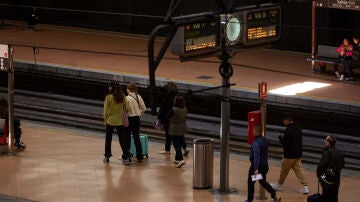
{"x":203,"y":163}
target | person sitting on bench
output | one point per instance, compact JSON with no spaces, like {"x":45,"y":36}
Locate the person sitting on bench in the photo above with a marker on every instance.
{"x":345,"y":54}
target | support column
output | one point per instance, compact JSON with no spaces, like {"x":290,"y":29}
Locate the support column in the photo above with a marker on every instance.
{"x":224,"y":136}
{"x":226,"y":72}
{"x":11,"y":141}
{"x":313,"y":34}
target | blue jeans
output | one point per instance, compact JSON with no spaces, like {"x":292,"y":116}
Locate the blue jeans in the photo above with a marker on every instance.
{"x":177,"y":142}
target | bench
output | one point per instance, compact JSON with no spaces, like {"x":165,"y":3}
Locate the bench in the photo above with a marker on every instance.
{"x":328,"y":54}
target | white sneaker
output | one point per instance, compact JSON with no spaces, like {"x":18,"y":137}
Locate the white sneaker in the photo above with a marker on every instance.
{"x":276,"y":186}
{"x":181,"y":163}
{"x":164,"y":152}
{"x":175,"y":162}
{"x":337,"y":74}
{"x":342,"y":77}
{"x":304,"y":190}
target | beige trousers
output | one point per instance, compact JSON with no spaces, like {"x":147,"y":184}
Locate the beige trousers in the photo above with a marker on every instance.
{"x":296,"y":166}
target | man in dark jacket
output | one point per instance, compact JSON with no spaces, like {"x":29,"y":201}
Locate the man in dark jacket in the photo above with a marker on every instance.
{"x":292,"y":153}
{"x":334,"y":156}
{"x":259,"y":165}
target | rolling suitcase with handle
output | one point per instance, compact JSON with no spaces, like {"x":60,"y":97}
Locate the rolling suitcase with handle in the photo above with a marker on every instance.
{"x":315,"y":197}
{"x":144,"y":146}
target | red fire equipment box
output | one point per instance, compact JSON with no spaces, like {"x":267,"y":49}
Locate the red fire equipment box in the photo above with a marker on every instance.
{"x":254,"y":118}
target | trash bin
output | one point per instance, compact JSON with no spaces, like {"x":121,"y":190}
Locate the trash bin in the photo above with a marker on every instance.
{"x":203,"y":163}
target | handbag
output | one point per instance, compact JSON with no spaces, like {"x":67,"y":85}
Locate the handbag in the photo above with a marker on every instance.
{"x":158,"y":125}
{"x":124,"y":117}
{"x":328,"y":176}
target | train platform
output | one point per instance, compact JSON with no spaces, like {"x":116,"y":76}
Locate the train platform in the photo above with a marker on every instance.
{"x":123,"y":57}
{"x":63,"y":164}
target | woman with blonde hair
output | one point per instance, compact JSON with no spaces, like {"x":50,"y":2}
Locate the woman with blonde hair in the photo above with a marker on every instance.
{"x":114,"y":105}
{"x":136,"y":109}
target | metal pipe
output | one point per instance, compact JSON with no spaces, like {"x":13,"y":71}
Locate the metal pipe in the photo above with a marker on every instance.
{"x":313,"y":34}
{"x":11,"y":141}
{"x":263,"y":125}
{"x":224,"y":136}
{"x":154,"y":62}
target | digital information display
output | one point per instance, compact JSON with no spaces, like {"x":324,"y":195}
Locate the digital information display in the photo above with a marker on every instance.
{"x":243,"y":28}
{"x":262,"y":25}
{"x":196,"y":38}
{"x":339,"y":4}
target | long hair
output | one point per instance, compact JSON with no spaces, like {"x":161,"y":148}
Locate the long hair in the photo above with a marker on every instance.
{"x":118,"y":94}
{"x":171,"y":91}
{"x":132,"y":88}
{"x":179,"y":101}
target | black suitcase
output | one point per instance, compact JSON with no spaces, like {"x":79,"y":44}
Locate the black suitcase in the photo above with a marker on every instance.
{"x":315,"y":197}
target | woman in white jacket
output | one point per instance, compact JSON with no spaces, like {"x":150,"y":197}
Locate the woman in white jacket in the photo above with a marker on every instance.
{"x":137,"y":108}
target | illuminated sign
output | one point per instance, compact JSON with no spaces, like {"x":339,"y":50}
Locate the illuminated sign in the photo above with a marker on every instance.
{"x":195,"y":38}
{"x":340,"y":4}
{"x":241,"y":28}
{"x":262,"y":25}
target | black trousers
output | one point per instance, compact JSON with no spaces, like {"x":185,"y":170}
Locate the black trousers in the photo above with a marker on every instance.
{"x":177,"y":141}
{"x":263,"y":170}
{"x":330,"y":195}
{"x":134,"y":130}
{"x":123,"y":141}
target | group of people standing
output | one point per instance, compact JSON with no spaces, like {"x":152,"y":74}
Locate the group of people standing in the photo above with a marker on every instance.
{"x":172,"y":116}
{"x":115,"y":104}
{"x":291,"y":140}
{"x":348,"y":51}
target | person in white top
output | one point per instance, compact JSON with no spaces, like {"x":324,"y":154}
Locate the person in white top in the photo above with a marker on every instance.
{"x":137,"y":108}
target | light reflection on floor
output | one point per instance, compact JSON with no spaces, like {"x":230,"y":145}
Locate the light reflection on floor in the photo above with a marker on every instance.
{"x":298,"y":88}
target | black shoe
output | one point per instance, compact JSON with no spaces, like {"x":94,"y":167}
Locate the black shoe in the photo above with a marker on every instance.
{"x":186,"y":152}
{"x":106,"y":160}
{"x":140,"y":158}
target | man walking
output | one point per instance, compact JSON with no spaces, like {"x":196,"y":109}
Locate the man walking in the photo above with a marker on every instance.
{"x":292,"y":153}
{"x":259,"y":165}
{"x":331,"y":157}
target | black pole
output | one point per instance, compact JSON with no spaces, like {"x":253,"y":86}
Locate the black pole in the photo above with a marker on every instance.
{"x":226,"y":72}
{"x":154,"y":62}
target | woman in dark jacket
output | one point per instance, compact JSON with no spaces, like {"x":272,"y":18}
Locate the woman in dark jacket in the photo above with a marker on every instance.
{"x":166,"y":105}
{"x":177,"y":128}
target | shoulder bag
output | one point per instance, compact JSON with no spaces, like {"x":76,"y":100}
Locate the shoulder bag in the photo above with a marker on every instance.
{"x":124,"y":117}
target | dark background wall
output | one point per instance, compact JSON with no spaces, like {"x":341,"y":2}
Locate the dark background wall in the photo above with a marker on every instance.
{"x":333,"y":24}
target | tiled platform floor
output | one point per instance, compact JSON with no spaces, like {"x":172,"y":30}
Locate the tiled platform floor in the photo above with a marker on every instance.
{"x":66,"y":165}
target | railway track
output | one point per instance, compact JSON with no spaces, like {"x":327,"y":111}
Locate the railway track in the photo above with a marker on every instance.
{"x":87,"y":114}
